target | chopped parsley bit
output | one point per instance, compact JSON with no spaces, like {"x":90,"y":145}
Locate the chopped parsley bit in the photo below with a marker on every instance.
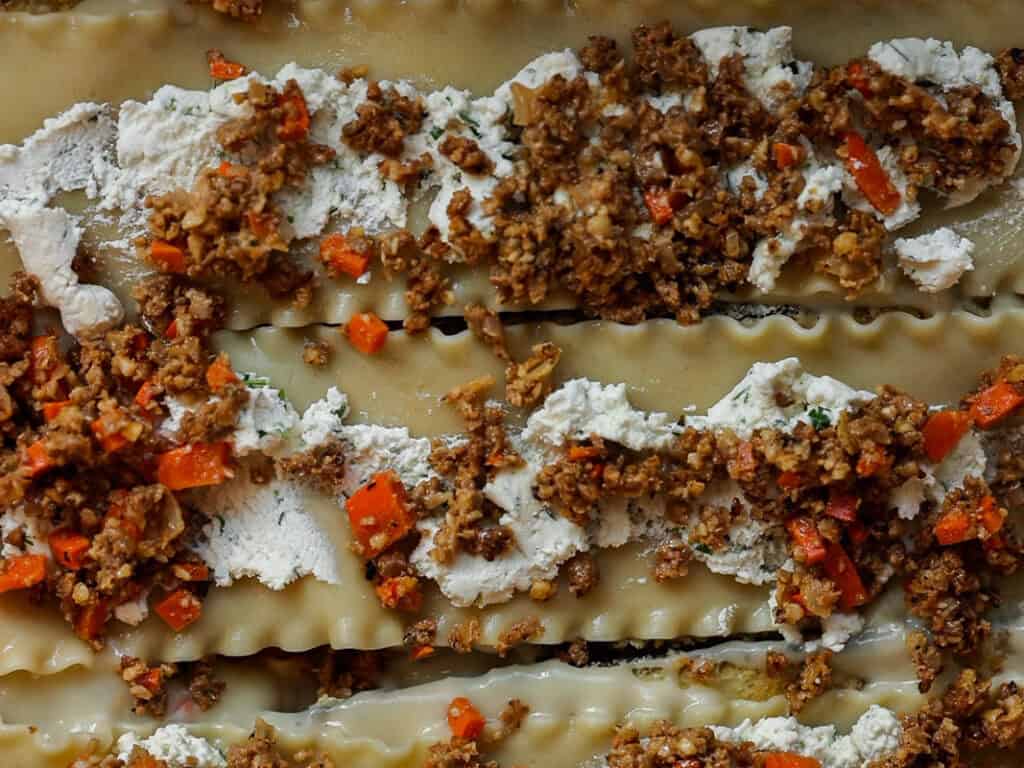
{"x":743,"y":394}
{"x":468,"y":119}
{"x":291,"y":219}
{"x":704,"y":549}
{"x":280,"y":517}
{"x":261,"y":433}
{"x":255,"y":382}
{"x":436,"y":132}
{"x":819,"y":418}
{"x":171,"y":105}
{"x":220,"y":520}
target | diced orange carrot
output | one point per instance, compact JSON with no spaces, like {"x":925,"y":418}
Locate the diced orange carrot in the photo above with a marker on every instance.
{"x":336,"y":252}
{"x":790,"y":480}
{"x":90,"y":622}
{"x":37,"y":459}
{"x":191,"y":571}
{"x":990,"y":514}
{"x":108,"y":430}
{"x":583,"y":452}
{"x":858,"y":532}
{"x":872,"y":461}
{"x":22,"y":572}
{"x":842,"y":506}
{"x":367,"y":333}
{"x":790,"y":760}
{"x":229,"y":170}
{"x":222,"y":69}
{"x":805,"y":535}
{"x":219,"y":373}
{"x":870,"y":176}
{"x":401,"y":593}
{"x":857,"y":78}
{"x":172,"y":330}
{"x":379,"y":514}
{"x":953,"y":528}
{"x":659,"y":206}
{"x":295,"y":125}
{"x":992,"y":405}
{"x":421,"y":652}
{"x":140,"y":342}
{"x":786,"y":155}
{"x":69,"y":548}
{"x":943,"y":431}
{"x":150,"y":680}
{"x":145,"y":394}
{"x":179,"y":609}
{"x":464,"y":719}
{"x":167,"y":257}
{"x":841,"y":569}
{"x":193,"y":466}
{"x":52,"y":410}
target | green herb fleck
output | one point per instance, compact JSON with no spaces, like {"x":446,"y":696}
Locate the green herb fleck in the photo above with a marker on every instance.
{"x":220,"y":520}
{"x":255,"y":382}
{"x":819,"y":418}
{"x":436,"y":132}
{"x":280,"y":518}
{"x":468,"y":119}
{"x":291,"y":219}
{"x":704,"y":549}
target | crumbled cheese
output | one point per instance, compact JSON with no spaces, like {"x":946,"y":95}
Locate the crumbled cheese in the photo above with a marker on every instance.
{"x":771,"y":73}
{"x":771,"y":254}
{"x":324,"y":417}
{"x":13,"y":519}
{"x":263,"y":531}
{"x":265,"y":422}
{"x":71,"y":151}
{"x":735,"y":176}
{"x":936,"y":260}
{"x":133,"y":612}
{"x":581,"y":407}
{"x":666,"y":101}
{"x":872,"y":736}
{"x":967,"y":459}
{"x":908,"y":209}
{"x":937,"y":66}
{"x":752,"y":404}
{"x":907,"y":498}
{"x":174,"y":745}
{"x":838,"y":628}
{"x":47,"y":239}
{"x":544,"y":540}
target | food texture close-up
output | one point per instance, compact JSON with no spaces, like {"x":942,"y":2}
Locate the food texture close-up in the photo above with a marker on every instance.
{"x":511,"y":384}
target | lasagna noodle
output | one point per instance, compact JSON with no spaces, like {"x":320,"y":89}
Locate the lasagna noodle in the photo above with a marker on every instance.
{"x":573,"y":712}
{"x":666,"y":367}
{"x":393,"y":42}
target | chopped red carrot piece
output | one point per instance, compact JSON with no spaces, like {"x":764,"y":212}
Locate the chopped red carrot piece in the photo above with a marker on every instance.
{"x":659,"y":206}
{"x":858,"y":532}
{"x":193,"y":466}
{"x":943,"y":431}
{"x":145,"y":394}
{"x":790,"y":760}
{"x":367,"y":332}
{"x":464,"y":719}
{"x":857,"y":78}
{"x":89,"y":623}
{"x":953,"y":528}
{"x":336,"y":252}
{"x":805,"y":535}
{"x":179,"y":609}
{"x":150,"y":680}
{"x":223,"y":69}
{"x":191,"y":571}
{"x":583,"y":452}
{"x":167,"y":257}
{"x":786,"y":155}
{"x":172,"y":330}
{"x":69,"y":548}
{"x":219,"y":373}
{"x":790,"y":480}
{"x":22,"y":572}
{"x":401,"y":592}
{"x":261,"y":224}
{"x":991,"y":515}
{"x":379,"y":514}
{"x":229,"y":170}
{"x":842,"y":506}
{"x":841,"y":569}
{"x":421,"y":652}
{"x":108,"y":430}
{"x":52,"y":410}
{"x":37,"y":459}
{"x":871,"y":178}
{"x":295,"y":125}
{"x":992,"y":405}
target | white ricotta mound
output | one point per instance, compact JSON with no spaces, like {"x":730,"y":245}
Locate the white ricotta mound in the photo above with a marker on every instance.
{"x":262,"y":531}
{"x":174,"y":745}
{"x":937,"y":260}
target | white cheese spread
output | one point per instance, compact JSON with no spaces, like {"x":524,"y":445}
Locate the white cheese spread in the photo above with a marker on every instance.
{"x":937,"y":260}
{"x":174,"y":745}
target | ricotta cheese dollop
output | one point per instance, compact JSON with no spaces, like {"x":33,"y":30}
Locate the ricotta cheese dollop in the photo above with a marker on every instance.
{"x":175,"y":746}
{"x":937,"y":260}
